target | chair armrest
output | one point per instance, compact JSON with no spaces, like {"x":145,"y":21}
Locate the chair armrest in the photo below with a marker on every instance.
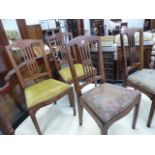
{"x":5,"y":89}
{"x":9,"y":84}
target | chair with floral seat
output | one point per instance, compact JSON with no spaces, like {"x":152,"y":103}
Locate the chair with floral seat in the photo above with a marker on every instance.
{"x":106,"y":103}
{"x":57,"y":44}
{"x":133,"y":71}
{"x":39,"y":91}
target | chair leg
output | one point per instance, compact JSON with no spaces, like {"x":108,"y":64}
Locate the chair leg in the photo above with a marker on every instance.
{"x":104,"y":131}
{"x":72,"y":100}
{"x":135,"y":116}
{"x":80,"y":110}
{"x":95,"y":83}
{"x":35,"y":122}
{"x":151,"y":113}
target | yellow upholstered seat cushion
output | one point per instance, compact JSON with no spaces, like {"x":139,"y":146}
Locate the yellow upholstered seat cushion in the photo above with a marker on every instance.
{"x":44,"y":91}
{"x":66,"y":72}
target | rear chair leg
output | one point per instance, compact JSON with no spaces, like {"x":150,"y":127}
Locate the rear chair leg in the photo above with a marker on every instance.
{"x":72,"y":100}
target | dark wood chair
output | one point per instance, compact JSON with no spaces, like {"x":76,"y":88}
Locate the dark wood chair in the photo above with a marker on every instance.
{"x":134,"y":75}
{"x":106,"y":103}
{"x":57,"y":44}
{"x":39,"y":91}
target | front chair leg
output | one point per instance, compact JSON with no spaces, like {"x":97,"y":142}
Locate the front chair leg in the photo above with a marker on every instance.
{"x":135,"y":116}
{"x":80,"y":110}
{"x":151,"y":113}
{"x":72,"y":100}
{"x":104,"y":131}
{"x":35,"y":122}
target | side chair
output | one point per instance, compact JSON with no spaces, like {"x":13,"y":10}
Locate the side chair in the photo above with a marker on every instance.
{"x":106,"y":103}
{"x":133,"y":71}
{"x":57,"y":44}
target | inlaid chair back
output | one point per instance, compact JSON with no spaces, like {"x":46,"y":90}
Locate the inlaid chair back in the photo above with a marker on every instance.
{"x":57,"y":43}
{"x":132,"y":53}
{"x":84,"y":45}
{"x":28,"y":67}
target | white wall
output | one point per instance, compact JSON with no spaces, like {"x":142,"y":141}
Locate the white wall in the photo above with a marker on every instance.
{"x":134,"y":22}
{"x":87,"y":26}
{"x":32,"y":21}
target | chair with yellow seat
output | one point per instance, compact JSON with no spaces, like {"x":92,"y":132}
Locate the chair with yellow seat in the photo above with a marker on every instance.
{"x":57,"y":44}
{"x":39,"y":87}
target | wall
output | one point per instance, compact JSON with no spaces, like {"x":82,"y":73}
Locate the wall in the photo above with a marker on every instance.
{"x":46,"y":24}
{"x":87,"y":26}
{"x":32,"y":21}
{"x":134,"y":22}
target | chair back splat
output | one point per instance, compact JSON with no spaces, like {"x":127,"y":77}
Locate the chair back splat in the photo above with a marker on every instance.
{"x":28,"y":67}
{"x":84,"y":45}
{"x":57,"y":43}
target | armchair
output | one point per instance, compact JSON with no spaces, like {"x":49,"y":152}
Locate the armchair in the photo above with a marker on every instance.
{"x":38,"y":90}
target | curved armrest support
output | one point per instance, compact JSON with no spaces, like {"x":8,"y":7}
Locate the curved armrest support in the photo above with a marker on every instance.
{"x":8,"y":86}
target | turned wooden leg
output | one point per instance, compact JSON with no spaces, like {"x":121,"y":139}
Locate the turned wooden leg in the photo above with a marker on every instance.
{"x":35,"y":122}
{"x":151,"y":114}
{"x":135,"y":115}
{"x":72,"y":100}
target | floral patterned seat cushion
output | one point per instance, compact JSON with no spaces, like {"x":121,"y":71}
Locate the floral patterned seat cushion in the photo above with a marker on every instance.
{"x":108,"y":100}
{"x":144,"y":78}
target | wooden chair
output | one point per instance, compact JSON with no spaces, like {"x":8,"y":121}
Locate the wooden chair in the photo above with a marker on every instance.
{"x":57,"y":44}
{"x":44,"y":91}
{"x":134,"y":75}
{"x":106,"y":103}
